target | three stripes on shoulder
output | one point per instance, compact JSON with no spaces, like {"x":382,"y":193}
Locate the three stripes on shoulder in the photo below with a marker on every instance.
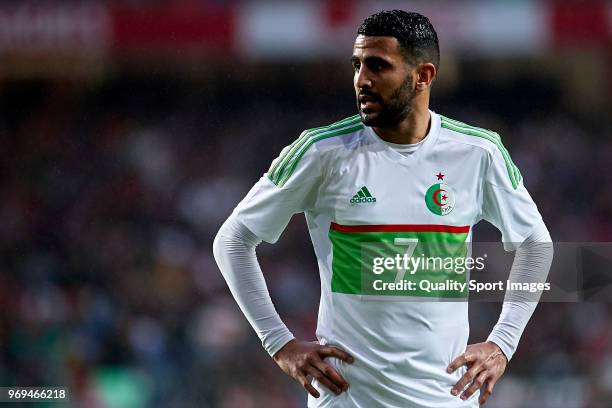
{"x":460,"y":127}
{"x":284,"y":166}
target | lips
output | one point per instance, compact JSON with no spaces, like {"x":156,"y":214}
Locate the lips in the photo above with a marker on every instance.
{"x":367,"y":102}
{"x":367,"y":107}
{"x":367,"y":98}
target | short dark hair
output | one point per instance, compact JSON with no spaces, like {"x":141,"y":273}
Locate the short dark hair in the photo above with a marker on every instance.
{"x":414,"y":32}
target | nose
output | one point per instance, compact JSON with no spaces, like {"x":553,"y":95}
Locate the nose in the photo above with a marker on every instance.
{"x":362,"y":78}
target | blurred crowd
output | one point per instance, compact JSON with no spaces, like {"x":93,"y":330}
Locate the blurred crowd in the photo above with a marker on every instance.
{"x":112,"y":191}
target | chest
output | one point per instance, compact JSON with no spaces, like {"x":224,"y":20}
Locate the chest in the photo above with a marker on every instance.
{"x":368,"y":188}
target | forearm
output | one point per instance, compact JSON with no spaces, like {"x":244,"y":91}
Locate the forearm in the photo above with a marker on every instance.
{"x":234,"y":250}
{"x":531,"y":265}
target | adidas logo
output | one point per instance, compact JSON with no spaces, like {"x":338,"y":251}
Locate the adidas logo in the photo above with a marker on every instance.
{"x":363,"y":196}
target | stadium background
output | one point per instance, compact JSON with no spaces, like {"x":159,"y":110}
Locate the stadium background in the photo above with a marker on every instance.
{"x":130,"y":129}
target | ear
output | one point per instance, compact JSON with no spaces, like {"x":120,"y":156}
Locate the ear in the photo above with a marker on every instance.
{"x":426,"y":73}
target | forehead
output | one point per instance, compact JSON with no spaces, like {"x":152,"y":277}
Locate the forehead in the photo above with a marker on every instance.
{"x":376,"y":46}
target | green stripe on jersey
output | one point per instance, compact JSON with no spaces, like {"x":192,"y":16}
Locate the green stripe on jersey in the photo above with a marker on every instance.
{"x":288,"y":152}
{"x":353,"y":256}
{"x":455,"y":125}
{"x":285,"y":165}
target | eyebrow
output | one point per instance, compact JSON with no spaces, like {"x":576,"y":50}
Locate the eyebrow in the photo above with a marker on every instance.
{"x":370,"y":60}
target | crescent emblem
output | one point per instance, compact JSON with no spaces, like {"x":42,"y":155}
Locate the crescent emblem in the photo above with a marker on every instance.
{"x":435,"y":196}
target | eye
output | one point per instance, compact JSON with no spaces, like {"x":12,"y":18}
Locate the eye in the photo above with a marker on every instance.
{"x":356,"y":65}
{"x":375,"y":66}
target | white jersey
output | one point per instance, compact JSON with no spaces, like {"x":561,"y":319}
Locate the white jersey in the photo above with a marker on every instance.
{"x":356,"y":190}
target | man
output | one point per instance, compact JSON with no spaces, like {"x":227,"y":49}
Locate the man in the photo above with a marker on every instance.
{"x":397,"y":173}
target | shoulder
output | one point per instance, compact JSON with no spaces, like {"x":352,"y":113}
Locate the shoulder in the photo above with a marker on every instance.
{"x":487,"y":140}
{"x":334,"y":135}
{"x":461,"y":132}
{"x":312,"y":143}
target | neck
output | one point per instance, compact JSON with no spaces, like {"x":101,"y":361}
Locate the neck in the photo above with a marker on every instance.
{"x":411,"y":130}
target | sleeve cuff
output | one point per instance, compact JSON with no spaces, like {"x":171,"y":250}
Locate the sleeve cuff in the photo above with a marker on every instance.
{"x":273,"y":344}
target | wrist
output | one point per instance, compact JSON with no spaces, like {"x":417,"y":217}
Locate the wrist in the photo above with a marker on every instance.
{"x":498,"y":350}
{"x":283,"y":348}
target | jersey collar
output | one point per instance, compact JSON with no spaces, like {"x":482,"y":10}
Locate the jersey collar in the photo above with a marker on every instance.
{"x":429,"y":140}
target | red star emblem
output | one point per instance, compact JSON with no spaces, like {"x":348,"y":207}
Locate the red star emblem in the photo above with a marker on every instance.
{"x":440,"y":176}
{"x":444,"y":197}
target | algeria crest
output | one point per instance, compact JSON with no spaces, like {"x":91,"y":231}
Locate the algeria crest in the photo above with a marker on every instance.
{"x":440,"y":199}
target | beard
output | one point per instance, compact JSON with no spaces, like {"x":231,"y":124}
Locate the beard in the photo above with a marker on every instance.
{"x":393,"y":110}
